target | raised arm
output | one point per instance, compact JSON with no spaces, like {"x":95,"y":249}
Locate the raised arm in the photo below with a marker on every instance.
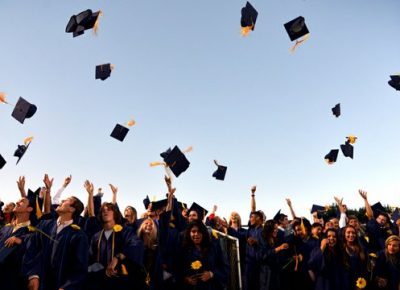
{"x":114,"y":190}
{"x":342,"y":209}
{"x":289,"y":203}
{"x":368,"y":209}
{"x":48,"y":183}
{"x":21,"y":186}
{"x":90,"y":205}
{"x":253,"y":198}
{"x":57,"y":196}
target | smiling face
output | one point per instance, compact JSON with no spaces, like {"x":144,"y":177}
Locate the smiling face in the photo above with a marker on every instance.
{"x":66,"y":206}
{"x":148,"y":225}
{"x":332,"y":238}
{"x":195,"y":235}
{"x":22,"y":206}
{"x":393,"y":247}
{"x":350,"y":235}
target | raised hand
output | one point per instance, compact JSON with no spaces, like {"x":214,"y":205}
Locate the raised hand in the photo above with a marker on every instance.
{"x":114,"y":189}
{"x":47,"y":181}
{"x":67,"y":180}
{"x":289,"y":202}
{"x":363,"y":194}
{"x":89,"y":187}
{"x":21,"y":185}
{"x":253,"y":189}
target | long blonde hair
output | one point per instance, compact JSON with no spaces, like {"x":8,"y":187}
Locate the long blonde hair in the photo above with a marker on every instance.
{"x":150,"y":240}
{"x":392,"y":258}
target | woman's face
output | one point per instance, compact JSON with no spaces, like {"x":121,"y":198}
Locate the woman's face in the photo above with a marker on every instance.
{"x":393,"y":247}
{"x":129,"y":215}
{"x":332,"y":239}
{"x":350,"y":235}
{"x":275,"y":232}
{"x":148,"y":226}
{"x":196,"y":236}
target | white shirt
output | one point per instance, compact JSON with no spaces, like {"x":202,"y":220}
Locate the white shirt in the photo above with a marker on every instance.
{"x":61,"y":226}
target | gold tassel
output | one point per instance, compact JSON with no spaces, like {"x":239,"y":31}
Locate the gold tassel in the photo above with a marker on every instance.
{"x":156,"y":163}
{"x":187,"y":150}
{"x":123,"y":270}
{"x":3,"y":98}
{"x":38,"y":210}
{"x":244,"y":31}
{"x":131,"y":122}
{"x":96,"y":24}
{"x":298,"y":42}
{"x":28,"y":140}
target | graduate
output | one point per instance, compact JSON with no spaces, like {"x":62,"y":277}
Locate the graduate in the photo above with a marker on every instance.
{"x":57,"y":253}
{"x":13,"y":239}
{"x":201,"y":263}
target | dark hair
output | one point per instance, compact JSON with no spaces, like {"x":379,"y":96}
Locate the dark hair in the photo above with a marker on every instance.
{"x":329,"y":252}
{"x":357,"y":246}
{"x":281,"y":217}
{"x":133,"y":211}
{"x":268,"y":230}
{"x":114,"y":209}
{"x":78,"y":206}
{"x":205,"y":242}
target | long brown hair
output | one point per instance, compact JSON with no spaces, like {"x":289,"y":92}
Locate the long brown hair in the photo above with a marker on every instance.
{"x":355,"y":249}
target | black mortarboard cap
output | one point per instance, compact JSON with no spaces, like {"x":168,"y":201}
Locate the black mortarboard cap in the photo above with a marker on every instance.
{"x":79,"y":23}
{"x":146,"y":202}
{"x":331,"y":157}
{"x":336,"y":110}
{"x":347,"y":149}
{"x":201,"y":211}
{"x":319,"y":209}
{"x":157,"y":205}
{"x":296,"y":28}
{"x":23,"y":110}
{"x":2,"y":162}
{"x":176,"y":160}
{"x":249,"y":16}
{"x":21,"y":151}
{"x":278,"y":216}
{"x":395,"y":82}
{"x":119,"y":132}
{"x":220,"y":172}
{"x":378,"y":209}
{"x":396,"y":215}
{"x":182,"y":205}
{"x":165,"y":153}
{"x":103,"y":71}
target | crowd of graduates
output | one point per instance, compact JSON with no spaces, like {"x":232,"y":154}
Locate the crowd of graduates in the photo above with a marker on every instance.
{"x":50,"y":243}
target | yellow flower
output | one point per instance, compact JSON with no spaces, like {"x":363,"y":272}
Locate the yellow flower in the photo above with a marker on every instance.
{"x":373,"y":255}
{"x":75,"y":227}
{"x":361,"y":283}
{"x":117,"y":228}
{"x":214,"y":233}
{"x":196,"y":265}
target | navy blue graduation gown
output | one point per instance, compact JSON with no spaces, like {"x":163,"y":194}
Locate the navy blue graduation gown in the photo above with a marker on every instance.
{"x":60,"y":262}
{"x":389,"y":271}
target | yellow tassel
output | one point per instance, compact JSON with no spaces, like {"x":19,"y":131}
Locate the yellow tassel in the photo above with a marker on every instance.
{"x":156,"y":163}
{"x":123,"y":270}
{"x":38,"y":210}
{"x":131,"y":123}
{"x":244,"y":31}
{"x":28,"y":140}
{"x":187,"y":150}
{"x":298,"y":42}
{"x":303,"y":228}
{"x":3,"y":98}
{"x":96,"y":24}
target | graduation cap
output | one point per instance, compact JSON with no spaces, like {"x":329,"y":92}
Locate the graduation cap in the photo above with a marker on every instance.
{"x":320,"y":210}
{"x":146,"y":202}
{"x":296,"y":28}
{"x":23,"y":110}
{"x":157,"y":205}
{"x":22,"y":148}
{"x":331,"y":157}
{"x":278,"y":216}
{"x":378,"y":209}
{"x":201,"y":212}
{"x":395,"y":82}
{"x":103,"y":71}
{"x":87,"y":19}
{"x":2,"y":162}
{"x":336,"y":110}
{"x":347,"y":149}
{"x":175,"y":160}
{"x":396,"y":215}
{"x":35,"y":202}
{"x":220,"y":172}
{"x":248,"y":19}
{"x":119,"y":132}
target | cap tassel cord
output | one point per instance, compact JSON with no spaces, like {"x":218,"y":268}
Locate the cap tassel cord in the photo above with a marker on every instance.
{"x":96,"y":24}
{"x":298,"y":42}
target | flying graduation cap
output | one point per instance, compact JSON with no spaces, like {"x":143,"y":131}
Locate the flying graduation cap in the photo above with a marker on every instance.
{"x":175,"y":160}
{"x":103,"y":71}
{"x":395,"y":82}
{"x":2,"y":162}
{"x":248,"y":19}
{"x":347,"y":148}
{"x":23,"y":110}
{"x":296,"y":29}
{"x":336,"y":110}
{"x":22,"y":148}
{"x":219,"y":174}
{"x":83,"y":21}
{"x":119,"y":132}
{"x":331,"y":157}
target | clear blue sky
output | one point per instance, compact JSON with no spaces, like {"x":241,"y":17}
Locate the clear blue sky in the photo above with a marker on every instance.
{"x":185,"y":74}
